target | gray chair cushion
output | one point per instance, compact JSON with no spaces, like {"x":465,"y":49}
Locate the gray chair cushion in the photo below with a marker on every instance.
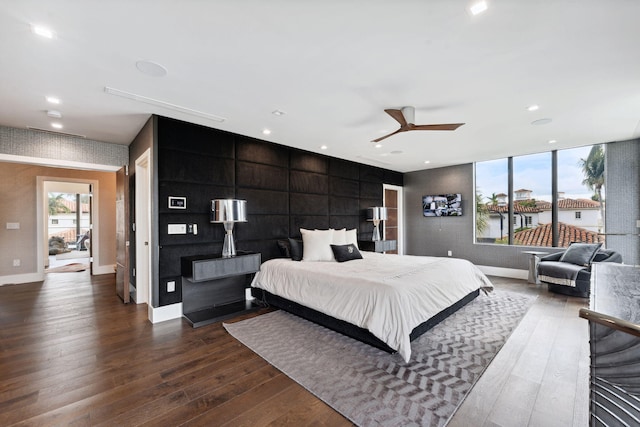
{"x":580,"y":253}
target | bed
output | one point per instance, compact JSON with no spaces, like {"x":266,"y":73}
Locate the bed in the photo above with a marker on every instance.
{"x":382,"y":299}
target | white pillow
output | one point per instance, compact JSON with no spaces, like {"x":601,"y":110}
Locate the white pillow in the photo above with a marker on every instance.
{"x":351,"y":236}
{"x":316,"y":245}
{"x":340,"y":237}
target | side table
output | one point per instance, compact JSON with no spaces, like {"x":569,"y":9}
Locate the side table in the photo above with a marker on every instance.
{"x":534,"y":258}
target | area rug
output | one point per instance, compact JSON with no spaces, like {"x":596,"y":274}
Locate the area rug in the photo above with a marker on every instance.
{"x":69,"y":268}
{"x":374,"y":388}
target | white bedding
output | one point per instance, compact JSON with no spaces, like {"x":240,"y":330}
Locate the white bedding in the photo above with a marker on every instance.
{"x":389,"y":295}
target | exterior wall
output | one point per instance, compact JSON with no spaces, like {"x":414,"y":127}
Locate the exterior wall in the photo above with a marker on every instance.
{"x":622,"y":188}
{"x":436,"y":236}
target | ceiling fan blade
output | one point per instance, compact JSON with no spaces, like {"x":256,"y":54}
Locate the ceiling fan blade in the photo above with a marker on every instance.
{"x":387,"y":136}
{"x":397,"y":115}
{"x":449,"y":126}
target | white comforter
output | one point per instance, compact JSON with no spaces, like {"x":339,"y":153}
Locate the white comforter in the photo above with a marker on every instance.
{"x":389,"y":295}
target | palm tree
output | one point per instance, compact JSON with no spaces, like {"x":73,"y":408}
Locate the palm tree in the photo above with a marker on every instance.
{"x":56,"y":204}
{"x":593,"y":169}
{"x":493,"y":200}
{"x":482,"y":215}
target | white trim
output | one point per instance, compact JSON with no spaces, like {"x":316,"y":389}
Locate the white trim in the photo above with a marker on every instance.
{"x":16,"y":279}
{"x":504,"y":272}
{"x":142,"y":220}
{"x":41,"y":208}
{"x":166,"y":312}
{"x":41,"y":161}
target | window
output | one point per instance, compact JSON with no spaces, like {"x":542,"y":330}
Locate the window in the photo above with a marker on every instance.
{"x":74,"y":222}
{"x":54,"y":222}
{"x":579,"y":179}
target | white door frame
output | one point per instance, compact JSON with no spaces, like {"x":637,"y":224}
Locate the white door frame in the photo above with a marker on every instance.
{"x":399,"y":191}
{"x":43,"y":206}
{"x":143,"y":228}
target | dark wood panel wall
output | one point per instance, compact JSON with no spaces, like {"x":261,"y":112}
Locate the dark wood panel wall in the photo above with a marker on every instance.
{"x":285,"y":189}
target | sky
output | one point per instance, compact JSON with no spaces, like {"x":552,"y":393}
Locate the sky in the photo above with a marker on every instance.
{"x":533,"y":172}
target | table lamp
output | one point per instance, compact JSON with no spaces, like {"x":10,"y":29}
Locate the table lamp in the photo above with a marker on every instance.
{"x":377,"y":214}
{"x":228,"y":212}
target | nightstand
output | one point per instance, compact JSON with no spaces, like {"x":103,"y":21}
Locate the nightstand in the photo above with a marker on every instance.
{"x":377,"y":245}
{"x":213,"y":287}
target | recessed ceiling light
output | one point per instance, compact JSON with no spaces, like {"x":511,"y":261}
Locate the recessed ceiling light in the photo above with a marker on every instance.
{"x":56,"y":125}
{"x":533,"y":107}
{"x":53,"y":100}
{"x":323,"y":147}
{"x":151,"y":68}
{"x":42,"y":31}
{"x":426,"y":162}
{"x":266,"y":131}
{"x":552,"y":141}
{"x":54,"y":113}
{"x":541,"y":122}
{"x":278,"y":113}
{"x":478,"y":7}
{"x":378,"y":145}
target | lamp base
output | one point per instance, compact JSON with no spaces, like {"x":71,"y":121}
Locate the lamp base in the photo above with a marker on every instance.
{"x":376,"y":232}
{"x":228,"y":247}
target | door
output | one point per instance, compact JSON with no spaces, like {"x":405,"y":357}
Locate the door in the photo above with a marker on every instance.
{"x":122,"y":235}
{"x":392,"y":226}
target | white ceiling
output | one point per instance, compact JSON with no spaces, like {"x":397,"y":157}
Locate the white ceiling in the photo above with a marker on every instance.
{"x":333,"y":67}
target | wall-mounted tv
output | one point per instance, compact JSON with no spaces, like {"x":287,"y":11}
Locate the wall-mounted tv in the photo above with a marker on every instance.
{"x":442,"y":205}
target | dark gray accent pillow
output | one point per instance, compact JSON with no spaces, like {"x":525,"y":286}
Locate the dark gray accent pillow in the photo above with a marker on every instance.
{"x":284,"y":247}
{"x":296,"y":248}
{"x":344,"y":253}
{"x":580,"y":253}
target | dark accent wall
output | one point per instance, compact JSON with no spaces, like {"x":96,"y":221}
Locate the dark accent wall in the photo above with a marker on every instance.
{"x":286,"y":189}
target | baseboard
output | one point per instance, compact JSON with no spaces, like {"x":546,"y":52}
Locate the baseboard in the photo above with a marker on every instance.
{"x":103,"y":269}
{"x":511,"y":273}
{"x":21,"y":278}
{"x":166,"y":312}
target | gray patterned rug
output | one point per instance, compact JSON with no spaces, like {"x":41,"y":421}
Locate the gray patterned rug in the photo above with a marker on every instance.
{"x":374,"y":388}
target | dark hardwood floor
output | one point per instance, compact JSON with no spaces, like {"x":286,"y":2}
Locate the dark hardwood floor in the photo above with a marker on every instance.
{"x":72,"y":354}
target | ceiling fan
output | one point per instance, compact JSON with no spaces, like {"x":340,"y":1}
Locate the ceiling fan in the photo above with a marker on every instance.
{"x":406,"y":118}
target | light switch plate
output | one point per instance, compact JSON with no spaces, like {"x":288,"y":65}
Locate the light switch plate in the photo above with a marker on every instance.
{"x":13,"y":226}
{"x":176,"y":228}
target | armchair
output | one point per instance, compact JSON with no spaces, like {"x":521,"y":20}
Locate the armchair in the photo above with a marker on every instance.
{"x":572,"y":275}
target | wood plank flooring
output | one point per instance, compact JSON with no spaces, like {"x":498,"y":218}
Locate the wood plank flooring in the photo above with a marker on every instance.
{"x":72,"y":354}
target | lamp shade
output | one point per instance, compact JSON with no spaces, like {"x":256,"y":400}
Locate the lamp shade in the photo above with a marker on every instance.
{"x":377,"y":213}
{"x":228,"y":210}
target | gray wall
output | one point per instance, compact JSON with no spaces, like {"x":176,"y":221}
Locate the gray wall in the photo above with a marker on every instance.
{"x":622,"y":194}
{"x":436,"y":236}
{"x":39,"y":144}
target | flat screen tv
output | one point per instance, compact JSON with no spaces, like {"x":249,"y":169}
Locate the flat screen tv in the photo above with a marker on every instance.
{"x":442,"y":205}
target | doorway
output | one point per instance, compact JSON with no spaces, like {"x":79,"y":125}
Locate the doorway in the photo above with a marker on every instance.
{"x":393,"y":225}
{"x":66,"y":222}
{"x":142,"y":217}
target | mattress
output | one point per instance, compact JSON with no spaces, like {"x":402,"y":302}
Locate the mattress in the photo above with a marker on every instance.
{"x":389,"y":295}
